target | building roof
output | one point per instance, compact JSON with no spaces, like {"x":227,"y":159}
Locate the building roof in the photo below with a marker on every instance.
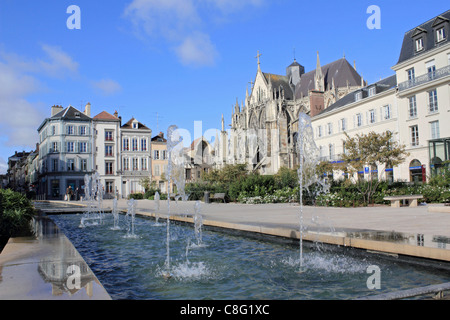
{"x":408,"y":47}
{"x":280,"y":81}
{"x":159,"y":138}
{"x":342,"y":72}
{"x":129,"y":125}
{"x":381,"y":86}
{"x":70,"y":113}
{"x":106,"y":116}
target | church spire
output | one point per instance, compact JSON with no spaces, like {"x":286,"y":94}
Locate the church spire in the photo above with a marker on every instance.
{"x":259,"y":62}
{"x":319,"y":80}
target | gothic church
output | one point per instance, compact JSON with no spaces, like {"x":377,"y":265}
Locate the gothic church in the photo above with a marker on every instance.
{"x":264,"y":127}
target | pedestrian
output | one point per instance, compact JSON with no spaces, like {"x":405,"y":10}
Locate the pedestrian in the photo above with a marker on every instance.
{"x":69,"y":193}
{"x":76,"y":194}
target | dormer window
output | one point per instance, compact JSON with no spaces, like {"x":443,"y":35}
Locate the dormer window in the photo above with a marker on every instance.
{"x":440,"y":34}
{"x":135,"y":125}
{"x":358,"y":95}
{"x":419,"y":44}
{"x":372,"y":91}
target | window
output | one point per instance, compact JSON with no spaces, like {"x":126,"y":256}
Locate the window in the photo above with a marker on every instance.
{"x":109,"y":168}
{"x":343,"y":123}
{"x":134,"y":143}
{"x":157,"y":170}
{"x":344,"y":147}
{"x":83,"y":147}
{"x":70,"y":165}
{"x":432,"y":101}
{"x":135,"y":164}
{"x":55,"y":165}
{"x":70,"y":130}
{"x":144,"y":164}
{"x":440,"y":34}
{"x":411,"y":74}
{"x":387,"y":112}
{"x":419,"y":44}
{"x":372,"y":116}
{"x":329,"y":128}
{"x":431,"y":69}
{"x":55,"y":147}
{"x":414,"y":135}
{"x":156,"y":155}
{"x":83,"y":164}
{"x":372,"y":91}
{"x":53,"y":130}
{"x":331,"y":151}
{"x":359,"y":120}
{"x":164,"y":154}
{"x":319,"y":131}
{"x":70,"y":147}
{"x":126,"y":164}
{"x":109,"y":135}
{"x":143,"y":144}
{"x":435,"y":130}
{"x":358,"y":96}
{"x":82,"y":130}
{"x":109,"y":187}
{"x":109,"y":151}
{"x":126,"y":144}
{"x":412,"y":107}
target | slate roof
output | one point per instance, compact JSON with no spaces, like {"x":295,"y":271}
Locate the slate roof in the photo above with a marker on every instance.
{"x":382,"y":85}
{"x":70,"y":113}
{"x":282,"y":81}
{"x":340,"y":70}
{"x":428,"y":29}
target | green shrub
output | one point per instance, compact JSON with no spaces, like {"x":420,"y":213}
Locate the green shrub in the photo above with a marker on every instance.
{"x":16,"y":213}
{"x":136,"y":196}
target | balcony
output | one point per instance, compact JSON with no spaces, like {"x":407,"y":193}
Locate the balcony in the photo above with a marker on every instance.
{"x":417,"y":81}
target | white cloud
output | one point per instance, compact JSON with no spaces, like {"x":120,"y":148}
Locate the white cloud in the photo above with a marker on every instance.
{"x":197,"y":50}
{"x":19,"y":119}
{"x":183,"y":24}
{"x":107,"y":87}
{"x":59,"y":64}
{"x":18,"y":79}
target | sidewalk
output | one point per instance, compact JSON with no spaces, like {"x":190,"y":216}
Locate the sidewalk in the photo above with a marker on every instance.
{"x":400,"y":231}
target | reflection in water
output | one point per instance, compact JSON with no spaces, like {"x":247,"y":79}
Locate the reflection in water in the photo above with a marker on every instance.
{"x":58,"y":262}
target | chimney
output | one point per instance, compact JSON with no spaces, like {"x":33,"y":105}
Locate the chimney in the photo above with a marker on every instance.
{"x":316,"y":102}
{"x":116,"y":114}
{"x":56,"y":109}
{"x":87,"y":109}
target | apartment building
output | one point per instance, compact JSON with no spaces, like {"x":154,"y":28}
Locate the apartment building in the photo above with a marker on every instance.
{"x":107,"y":152}
{"x":414,"y":104}
{"x":135,"y":156}
{"x":65,"y":151}
{"x":423,"y":73}
{"x":160,"y":163}
{"x":371,"y":108}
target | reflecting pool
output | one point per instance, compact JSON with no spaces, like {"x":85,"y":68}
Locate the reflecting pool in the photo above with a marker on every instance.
{"x":225,"y":266}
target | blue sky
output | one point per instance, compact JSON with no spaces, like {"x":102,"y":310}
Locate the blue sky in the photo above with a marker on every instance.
{"x":183,"y":60}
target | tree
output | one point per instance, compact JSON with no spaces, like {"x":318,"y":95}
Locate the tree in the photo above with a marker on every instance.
{"x":375,"y":151}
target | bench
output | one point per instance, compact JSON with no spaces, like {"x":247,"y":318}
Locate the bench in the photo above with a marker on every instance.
{"x":219,"y":196}
{"x":412,"y":200}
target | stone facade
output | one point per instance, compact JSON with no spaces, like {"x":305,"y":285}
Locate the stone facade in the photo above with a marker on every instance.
{"x":264,"y":126}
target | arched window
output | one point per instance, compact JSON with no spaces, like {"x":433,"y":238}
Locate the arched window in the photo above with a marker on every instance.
{"x":415,"y":170}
